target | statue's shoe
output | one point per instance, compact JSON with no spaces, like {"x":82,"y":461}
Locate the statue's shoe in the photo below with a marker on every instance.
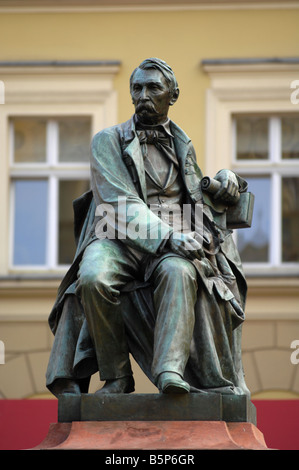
{"x":121,"y":385}
{"x":64,"y":386}
{"x":171,"y":382}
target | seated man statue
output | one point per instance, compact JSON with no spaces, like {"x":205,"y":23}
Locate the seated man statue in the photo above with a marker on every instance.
{"x":156,"y":272}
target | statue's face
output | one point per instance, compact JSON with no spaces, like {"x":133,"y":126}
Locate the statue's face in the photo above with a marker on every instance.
{"x":151,"y":96}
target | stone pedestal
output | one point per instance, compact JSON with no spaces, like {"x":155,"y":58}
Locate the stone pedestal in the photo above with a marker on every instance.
{"x":154,"y":422}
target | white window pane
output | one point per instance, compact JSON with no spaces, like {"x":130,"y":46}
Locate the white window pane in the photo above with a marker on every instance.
{"x":68,"y":191}
{"x":29,"y":140}
{"x":290,"y":219}
{"x":252,"y":138}
{"x":290,"y":137}
{"x":253,"y":242}
{"x":30,"y":222}
{"x":74,"y":139}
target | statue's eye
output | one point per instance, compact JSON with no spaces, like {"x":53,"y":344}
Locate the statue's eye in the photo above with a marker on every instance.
{"x":154,"y":87}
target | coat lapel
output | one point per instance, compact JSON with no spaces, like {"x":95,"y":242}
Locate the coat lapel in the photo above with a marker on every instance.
{"x":181,"y":146}
{"x":189,"y":169}
{"x":132,"y":149}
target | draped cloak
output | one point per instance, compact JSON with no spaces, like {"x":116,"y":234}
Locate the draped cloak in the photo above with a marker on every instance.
{"x":215,"y":361}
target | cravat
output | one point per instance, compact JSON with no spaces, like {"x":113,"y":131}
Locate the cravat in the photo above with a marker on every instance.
{"x":159,"y":140}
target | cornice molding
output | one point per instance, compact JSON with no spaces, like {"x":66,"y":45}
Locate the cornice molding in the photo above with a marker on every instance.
{"x":268,"y":299}
{"x":251,"y":78}
{"x":266,"y":64}
{"x":60,"y":66}
{"x":73,"y":6}
{"x":58,"y":81}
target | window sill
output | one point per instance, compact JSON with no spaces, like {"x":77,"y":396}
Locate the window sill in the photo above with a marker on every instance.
{"x":272,"y":298}
{"x":31,"y":297}
{"x":17,"y":286}
{"x":27,"y":298}
{"x":254,"y":275}
{"x":267,"y":271}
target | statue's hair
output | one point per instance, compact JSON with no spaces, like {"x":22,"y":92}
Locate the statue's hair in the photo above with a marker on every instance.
{"x":162,"y":66}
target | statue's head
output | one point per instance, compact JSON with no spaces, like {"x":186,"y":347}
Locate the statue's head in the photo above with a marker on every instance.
{"x":153,"y":88}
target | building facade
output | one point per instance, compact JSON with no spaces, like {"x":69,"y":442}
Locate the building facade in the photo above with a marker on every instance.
{"x":64,"y":71}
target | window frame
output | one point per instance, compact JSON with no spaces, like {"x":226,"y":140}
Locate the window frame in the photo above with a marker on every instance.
{"x":34,"y":90}
{"x":53,"y":171}
{"x":247,"y":86}
{"x":275,"y":168}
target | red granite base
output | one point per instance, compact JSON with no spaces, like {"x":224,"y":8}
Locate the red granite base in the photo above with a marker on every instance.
{"x":149,"y":435}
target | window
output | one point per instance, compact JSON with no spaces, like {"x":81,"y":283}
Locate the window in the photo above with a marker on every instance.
{"x":51,"y":112}
{"x":252,"y":128}
{"x":266,"y":154}
{"x":49,"y":168}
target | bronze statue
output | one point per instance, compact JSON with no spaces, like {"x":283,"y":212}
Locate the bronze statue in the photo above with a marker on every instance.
{"x":156,"y":272}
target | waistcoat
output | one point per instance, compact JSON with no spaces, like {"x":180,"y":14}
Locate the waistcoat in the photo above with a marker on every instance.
{"x":165,"y":189}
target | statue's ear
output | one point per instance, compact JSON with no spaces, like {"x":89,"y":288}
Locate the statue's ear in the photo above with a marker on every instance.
{"x":174,"y":97}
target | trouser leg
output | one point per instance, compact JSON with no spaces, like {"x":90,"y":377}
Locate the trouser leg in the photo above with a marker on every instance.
{"x":175,"y":293}
{"x":105,"y":268}
{"x":62,"y":354}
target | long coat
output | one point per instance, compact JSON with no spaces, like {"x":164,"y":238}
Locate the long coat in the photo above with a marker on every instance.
{"x":117,"y":171}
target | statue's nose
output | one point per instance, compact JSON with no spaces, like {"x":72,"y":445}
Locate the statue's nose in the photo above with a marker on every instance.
{"x":144,"y":93}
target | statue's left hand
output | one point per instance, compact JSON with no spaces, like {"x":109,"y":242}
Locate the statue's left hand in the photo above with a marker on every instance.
{"x":188,"y":245}
{"x":229,"y":190}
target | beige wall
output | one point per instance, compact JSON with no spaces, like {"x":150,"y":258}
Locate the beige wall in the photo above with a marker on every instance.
{"x":267,"y":335}
{"x":183,"y":39}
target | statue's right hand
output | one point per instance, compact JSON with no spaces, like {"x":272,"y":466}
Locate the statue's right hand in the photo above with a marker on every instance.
{"x":187,"y":245}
